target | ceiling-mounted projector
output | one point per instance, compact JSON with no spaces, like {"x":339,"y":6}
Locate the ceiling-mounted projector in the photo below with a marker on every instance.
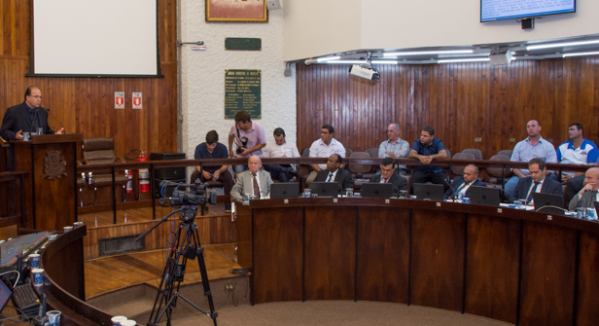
{"x":500,"y":58}
{"x":364,"y":71}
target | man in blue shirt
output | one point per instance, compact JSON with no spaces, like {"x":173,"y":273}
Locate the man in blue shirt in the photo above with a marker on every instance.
{"x":212,"y":149}
{"x":577,"y":150}
{"x":427,"y":149}
{"x":534,"y":146}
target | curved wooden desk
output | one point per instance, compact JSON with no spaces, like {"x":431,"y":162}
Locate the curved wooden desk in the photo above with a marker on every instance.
{"x":64,"y":283}
{"x":521,"y":267}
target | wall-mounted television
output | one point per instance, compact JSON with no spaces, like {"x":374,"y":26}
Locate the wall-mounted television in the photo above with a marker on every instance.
{"x":493,"y":10}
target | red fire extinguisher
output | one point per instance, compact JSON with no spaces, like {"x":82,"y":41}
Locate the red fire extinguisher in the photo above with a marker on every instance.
{"x":144,"y":175}
{"x":129,"y":176}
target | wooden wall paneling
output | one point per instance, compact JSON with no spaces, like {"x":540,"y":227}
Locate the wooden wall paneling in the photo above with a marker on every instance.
{"x":86,"y":105}
{"x":279,"y":238}
{"x":437,"y":244}
{"x":492,"y":283}
{"x":547,"y":283}
{"x":330,"y":257}
{"x":222,"y":230}
{"x":383,"y":255}
{"x":587,"y":287}
{"x":461,"y":101}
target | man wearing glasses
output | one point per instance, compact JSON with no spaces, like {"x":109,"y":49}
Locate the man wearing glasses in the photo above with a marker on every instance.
{"x":28,"y":116}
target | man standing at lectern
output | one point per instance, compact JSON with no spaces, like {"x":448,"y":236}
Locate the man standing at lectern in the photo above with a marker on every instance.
{"x":22,"y":117}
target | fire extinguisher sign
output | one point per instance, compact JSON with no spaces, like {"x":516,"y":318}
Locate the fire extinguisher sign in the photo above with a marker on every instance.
{"x":119,"y":100}
{"x":137,"y":101}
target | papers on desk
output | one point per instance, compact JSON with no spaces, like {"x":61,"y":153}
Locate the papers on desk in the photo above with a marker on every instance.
{"x":505,"y":205}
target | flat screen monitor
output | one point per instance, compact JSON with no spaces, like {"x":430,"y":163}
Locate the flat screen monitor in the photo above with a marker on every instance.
{"x":484,"y":196}
{"x":284,"y":190}
{"x":492,"y":10}
{"x":377,"y":190}
{"x":425,"y":191}
{"x":325,"y":189}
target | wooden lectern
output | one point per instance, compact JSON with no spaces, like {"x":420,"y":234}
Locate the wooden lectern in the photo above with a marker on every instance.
{"x":51,"y":185}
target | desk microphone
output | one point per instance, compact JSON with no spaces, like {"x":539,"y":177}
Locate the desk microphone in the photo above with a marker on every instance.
{"x":34,"y":122}
{"x":55,"y":118}
{"x":449,"y":185}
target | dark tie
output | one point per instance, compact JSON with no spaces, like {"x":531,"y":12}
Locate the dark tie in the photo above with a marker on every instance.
{"x":330,"y":178}
{"x":534,"y":189}
{"x":256,"y":187}
{"x":384,"y":180}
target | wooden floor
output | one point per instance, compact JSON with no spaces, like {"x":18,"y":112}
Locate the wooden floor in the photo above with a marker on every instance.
{"x":139,"y":214}
{"x":107,"y":274}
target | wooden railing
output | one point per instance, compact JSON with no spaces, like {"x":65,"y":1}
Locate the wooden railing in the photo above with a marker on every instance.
{"x":447,"y":164}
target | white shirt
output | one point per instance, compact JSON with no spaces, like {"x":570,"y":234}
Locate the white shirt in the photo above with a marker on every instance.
{"x":333,"y":177}
{"x":257,"y":180}
{"x":320,"y":149}
{"x":539,"y":187}
{"x":465,"y":187}
{"x":273,"y":150}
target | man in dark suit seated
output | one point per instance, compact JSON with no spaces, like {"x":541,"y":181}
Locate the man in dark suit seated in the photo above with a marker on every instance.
{"x":26,"y":117}
{"x":388,"y":175}
{"x":334,"y":173}
{"x":588,"y":194}
{"x":536,"y":183}
{"x":460,"y":187}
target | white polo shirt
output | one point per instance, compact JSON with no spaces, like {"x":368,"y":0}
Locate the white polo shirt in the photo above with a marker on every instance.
{"x":320,"y":149}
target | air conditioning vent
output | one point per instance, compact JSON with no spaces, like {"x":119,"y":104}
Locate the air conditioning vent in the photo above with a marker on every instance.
{"x":119,"y":245}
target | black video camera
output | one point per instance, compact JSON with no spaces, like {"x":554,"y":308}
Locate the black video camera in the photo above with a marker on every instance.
{"x":244,"y":144}
{"x":192,"y":194}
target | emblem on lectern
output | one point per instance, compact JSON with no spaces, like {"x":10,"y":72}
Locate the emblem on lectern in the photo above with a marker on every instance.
{"x":54,"y":165}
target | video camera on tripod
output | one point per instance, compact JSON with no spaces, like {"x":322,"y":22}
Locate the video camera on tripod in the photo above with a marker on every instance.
{"x":191,"y":194}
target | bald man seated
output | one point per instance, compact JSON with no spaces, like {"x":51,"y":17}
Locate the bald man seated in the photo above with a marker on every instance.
{"x":588,"y":194}
{"x":461,"y":185}
{"x":252,"y":182}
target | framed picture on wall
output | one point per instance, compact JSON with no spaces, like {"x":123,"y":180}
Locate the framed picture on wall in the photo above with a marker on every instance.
{"x":238,"y":11}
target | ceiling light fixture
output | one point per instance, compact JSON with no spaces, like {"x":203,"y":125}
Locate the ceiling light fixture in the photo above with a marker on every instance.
{"x":558,"y":45}
{"x":397,"y":54}
{"x":350,"y":62}
{"x":463,"y":60}
{"x":579,"y":54}
{"x":384,"y":62}
{"x":328,"y":58}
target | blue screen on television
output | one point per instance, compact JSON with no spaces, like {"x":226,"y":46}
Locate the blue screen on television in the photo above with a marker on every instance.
{"x":492,"y":10}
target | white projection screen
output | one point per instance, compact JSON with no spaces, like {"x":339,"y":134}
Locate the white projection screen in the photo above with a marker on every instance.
{"x":94,"y":38}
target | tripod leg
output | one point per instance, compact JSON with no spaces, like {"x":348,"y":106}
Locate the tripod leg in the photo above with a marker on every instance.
{"x":166,"y":287}
{"x":204,"y":274}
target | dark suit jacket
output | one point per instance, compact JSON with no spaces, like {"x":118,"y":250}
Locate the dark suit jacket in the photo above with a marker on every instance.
{"x":399,"y":182}
{"x":550,"y":186}
{"x":17,"y":118}
{"x":343,"y":177}
{"x":457,"y":183}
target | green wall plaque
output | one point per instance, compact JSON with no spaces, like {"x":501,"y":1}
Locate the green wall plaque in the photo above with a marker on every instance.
{"x":242,"y":93}
{"x":240,"y":43}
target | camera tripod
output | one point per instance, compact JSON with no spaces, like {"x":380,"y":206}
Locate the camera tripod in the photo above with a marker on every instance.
{"x":186,"y":245}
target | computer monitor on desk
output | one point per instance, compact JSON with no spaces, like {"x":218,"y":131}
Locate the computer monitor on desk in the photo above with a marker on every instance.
{"x":284,"y":190}
{"x":425,"y":191}
{"x":325,"y":189}
{"x":484,"y":196}
{"x":377,"y":190}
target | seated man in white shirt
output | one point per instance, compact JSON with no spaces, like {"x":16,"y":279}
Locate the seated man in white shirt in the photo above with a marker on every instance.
{"x":324,"y":147}
{"x":577,"y":150}
{"x":280,"y":148}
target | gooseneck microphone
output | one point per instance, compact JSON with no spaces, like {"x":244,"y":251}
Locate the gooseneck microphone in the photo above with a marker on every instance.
{"x":34,"y":122}
{"x":55,"y":118}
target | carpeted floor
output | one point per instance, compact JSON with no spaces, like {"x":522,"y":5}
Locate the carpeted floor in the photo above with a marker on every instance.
{"x":346,"y":313}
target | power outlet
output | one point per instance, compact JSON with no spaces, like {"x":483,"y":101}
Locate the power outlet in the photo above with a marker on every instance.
{"x":229,"y":287}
